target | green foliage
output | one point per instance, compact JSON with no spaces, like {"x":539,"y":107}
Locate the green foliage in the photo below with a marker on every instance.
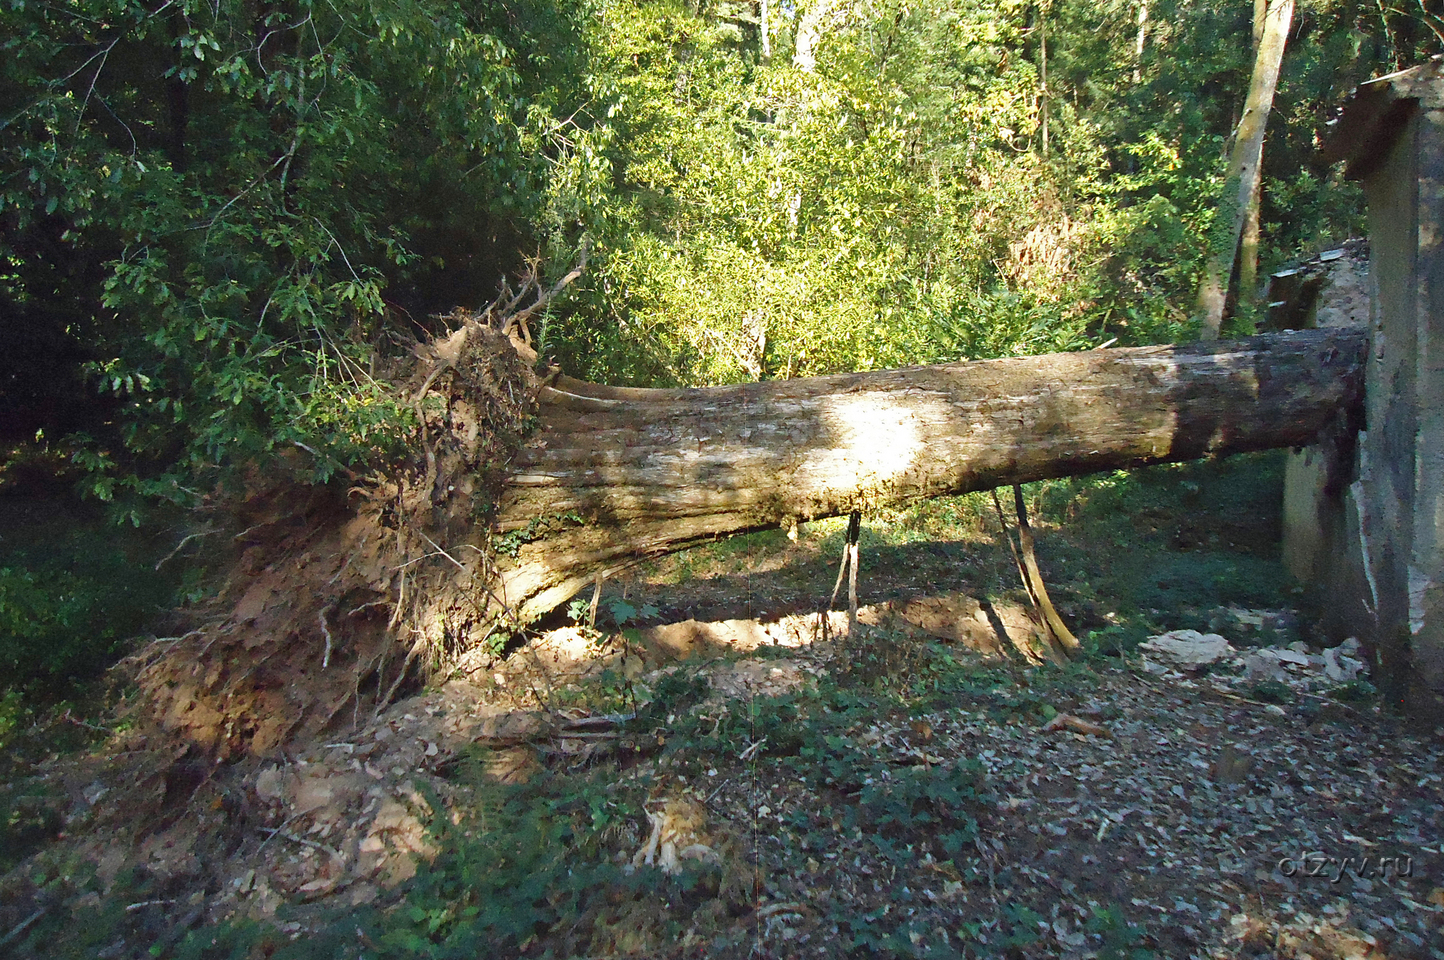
{"x":65,"y":617}
{"x":30,"y":814}
{"x":624,"y":613}
{"x":525,"y":862}
{"x":47,"y":627}
{"x":1025,"y":926}
{"x":12,"y":715}
{"x":75,"y":590}
{"x":1118,"y":935}
{"x":510,"y":544}
{"x":1198,"y":539}
{"x":218,"y":218}
{"x":235,"y":194}
{"x":1271,"y":691}
{"x":896,"y":203}
{"x":1355,"y":691}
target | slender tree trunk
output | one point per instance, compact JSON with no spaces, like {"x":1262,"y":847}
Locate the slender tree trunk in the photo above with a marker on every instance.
{"x":1142,"y":40}
{"x":645,"y":472}
{"x":1249,"y":244}
{"x":1043,"y":74}
{"x":1248,"y":249}
{"x":1243,"y":165}
{"x":810,"y":27}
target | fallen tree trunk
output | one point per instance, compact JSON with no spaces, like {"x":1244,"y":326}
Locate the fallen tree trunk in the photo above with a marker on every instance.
{"x":645,"y":472}
{"x":523,"y":491}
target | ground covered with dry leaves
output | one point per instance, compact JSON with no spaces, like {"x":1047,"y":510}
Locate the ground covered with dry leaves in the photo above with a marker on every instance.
{"x":757,"y":786}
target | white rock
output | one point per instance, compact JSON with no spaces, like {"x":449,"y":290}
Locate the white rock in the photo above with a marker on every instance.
{"x":1340,"y":668}
{"x":1186,"y":648}
{"x":1292,"y":656}
{"x":1260,"y":666}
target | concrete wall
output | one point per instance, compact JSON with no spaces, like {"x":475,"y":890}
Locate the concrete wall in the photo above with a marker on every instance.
{"x":1386,"y":526}
{"x":1321,"y":541}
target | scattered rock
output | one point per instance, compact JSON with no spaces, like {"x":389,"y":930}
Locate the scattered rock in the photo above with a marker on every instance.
{"x":1341,"y":668}
{"x":1183,"y":650}
{"x":1263,"y":665}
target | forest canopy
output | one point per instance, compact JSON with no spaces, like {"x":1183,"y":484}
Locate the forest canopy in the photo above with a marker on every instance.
{"x":216,"y":220}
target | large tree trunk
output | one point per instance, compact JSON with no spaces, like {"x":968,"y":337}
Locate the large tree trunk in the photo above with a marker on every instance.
{"x":645,"y":472}
{"x":1244,"y":163}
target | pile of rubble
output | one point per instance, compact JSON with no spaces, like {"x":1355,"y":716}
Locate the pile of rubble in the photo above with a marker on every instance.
{"x":1298,"y":666}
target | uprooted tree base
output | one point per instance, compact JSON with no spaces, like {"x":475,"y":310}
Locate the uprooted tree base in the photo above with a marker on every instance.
{"x":525,"y":486}
{"x":340,"y":597}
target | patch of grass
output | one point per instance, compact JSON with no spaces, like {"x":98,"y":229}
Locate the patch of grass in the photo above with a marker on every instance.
{"x":1117,"y":640}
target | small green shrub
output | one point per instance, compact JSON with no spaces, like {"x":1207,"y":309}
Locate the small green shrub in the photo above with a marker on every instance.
{"x":1271,"y":691}
{"x":937,"y":799}
{"x":1118,"y":935}
{"x":1355,"y":691}
{"x":12,"y":714}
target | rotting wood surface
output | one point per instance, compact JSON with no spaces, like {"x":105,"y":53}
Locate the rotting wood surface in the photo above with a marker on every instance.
{"x":652,"y":471}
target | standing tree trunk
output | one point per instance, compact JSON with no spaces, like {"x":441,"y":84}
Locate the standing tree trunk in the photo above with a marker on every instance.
{"x":1244,"y":165}
{"x":1138,"y":47}
{"x":811,"y":26}
{"x":1248,"y":245}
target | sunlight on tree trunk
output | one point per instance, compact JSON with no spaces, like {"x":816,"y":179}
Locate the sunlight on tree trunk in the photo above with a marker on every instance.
{"x":1043,"y":75}
{"x":1142,"y":39}
{"x":648,"y":472}
{"x":1243,"y":165}
{"x":810,"y":27}
{"x":1248,"y":246}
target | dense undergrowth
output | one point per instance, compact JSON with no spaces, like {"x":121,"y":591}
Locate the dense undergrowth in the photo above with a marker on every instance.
{"x":75,"y":591}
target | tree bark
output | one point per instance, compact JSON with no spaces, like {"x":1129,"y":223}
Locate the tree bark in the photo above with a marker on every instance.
{"x":1142,"y":40}
{"x":811,"y":25}
{"x":620,"y":474}
{"x":1244,"y":163}
{"x":1249,"y":243}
